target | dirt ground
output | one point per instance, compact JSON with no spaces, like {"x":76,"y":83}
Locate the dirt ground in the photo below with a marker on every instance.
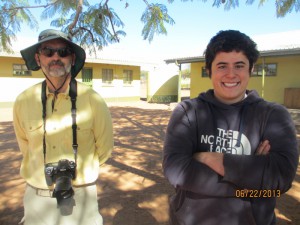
{"x":131,"y":187}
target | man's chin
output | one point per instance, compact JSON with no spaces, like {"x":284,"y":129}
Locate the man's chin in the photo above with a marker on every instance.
{"x":58,"y":74}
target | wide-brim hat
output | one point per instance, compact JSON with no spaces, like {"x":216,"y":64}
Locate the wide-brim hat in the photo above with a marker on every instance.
{"x":28,"y":54}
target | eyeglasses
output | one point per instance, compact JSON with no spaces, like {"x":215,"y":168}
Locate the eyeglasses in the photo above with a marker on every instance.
{"x":62,"y":52}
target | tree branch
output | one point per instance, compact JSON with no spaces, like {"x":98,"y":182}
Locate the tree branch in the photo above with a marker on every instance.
{"x":105,"y":3}
{"x":146,"y":2}
{"x":112,"y":25}
{"x":78,"y":12}
{"x":28,"y":7}
{"x":87,"y":30}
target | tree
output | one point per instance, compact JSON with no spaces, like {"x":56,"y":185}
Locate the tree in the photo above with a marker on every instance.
{"x":98,"y":25}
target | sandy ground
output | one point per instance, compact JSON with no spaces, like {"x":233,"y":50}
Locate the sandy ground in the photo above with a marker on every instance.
{"x":131,"y":187}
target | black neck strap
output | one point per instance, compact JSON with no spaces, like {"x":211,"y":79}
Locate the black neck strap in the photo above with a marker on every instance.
{"x":73,"y":96}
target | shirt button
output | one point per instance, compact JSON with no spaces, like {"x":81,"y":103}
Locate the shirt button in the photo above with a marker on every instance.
{"x":54,"y":147}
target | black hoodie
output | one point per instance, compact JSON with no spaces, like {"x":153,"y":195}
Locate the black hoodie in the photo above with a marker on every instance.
{"x":247,"y":193}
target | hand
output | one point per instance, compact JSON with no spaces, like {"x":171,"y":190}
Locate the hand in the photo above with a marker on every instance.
{"x":214,"y":160}
{"x":263,"y":148}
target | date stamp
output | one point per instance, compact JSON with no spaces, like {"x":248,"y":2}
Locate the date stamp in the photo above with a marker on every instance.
{"x":252,"y":193}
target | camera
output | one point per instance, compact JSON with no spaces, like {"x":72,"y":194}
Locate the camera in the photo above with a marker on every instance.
{"x":61,"y":173}
{"x":61,"y":169}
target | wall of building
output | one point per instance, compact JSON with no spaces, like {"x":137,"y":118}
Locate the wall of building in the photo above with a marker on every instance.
{"x":117,"y":91}
{"x":163,"y":84}
{"x":198,"y":83}
{"x":288,"y":76}
{"x":11,"y":85}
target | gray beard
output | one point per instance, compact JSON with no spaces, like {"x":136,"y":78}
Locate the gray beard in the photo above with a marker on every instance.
{"x":60,"y":72}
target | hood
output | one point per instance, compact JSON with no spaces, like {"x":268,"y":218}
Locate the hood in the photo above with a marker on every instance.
{"x":252,"y":97}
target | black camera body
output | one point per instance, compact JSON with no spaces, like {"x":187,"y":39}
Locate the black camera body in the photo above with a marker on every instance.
{"x":61,"y":174}
{"x":62,"y":169}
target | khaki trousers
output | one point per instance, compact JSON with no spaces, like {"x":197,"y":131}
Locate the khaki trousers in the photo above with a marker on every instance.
{"x":81,"y":209}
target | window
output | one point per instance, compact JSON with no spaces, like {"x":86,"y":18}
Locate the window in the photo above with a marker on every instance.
{"x":21,"y":70}
{"x":127,"y":76}
{"x":270,"y":69}
{"x":107,"y":76}
{"x":87,"y":76}
{"x":204,"y":72}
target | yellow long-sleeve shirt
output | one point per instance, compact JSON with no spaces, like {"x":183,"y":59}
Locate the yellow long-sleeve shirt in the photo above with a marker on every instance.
{"x":94,"y":133}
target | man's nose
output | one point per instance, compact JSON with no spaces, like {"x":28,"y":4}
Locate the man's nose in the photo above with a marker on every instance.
{"x":56,"y":55}
{"x":232,"y":71}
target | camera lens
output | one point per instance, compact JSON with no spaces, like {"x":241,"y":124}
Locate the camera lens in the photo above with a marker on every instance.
{"x":63,"y":183}
{"x":63,"y":189}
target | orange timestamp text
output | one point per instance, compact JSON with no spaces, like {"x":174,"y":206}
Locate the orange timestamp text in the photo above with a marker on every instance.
{"x":253,"y":193}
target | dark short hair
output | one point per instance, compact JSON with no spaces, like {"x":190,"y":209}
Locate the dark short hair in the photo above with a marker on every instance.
{"x":228,"y":41}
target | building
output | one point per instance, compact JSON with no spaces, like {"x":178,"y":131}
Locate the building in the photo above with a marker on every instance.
{"x":114,"y":79}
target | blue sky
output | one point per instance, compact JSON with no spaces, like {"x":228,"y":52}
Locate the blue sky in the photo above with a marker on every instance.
{"x":195,"y":23}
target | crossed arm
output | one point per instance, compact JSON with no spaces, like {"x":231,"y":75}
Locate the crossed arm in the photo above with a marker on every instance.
{"x":214,"y":160}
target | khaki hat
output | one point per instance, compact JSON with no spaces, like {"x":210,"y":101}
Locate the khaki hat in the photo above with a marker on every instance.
{"x":51,"y":34}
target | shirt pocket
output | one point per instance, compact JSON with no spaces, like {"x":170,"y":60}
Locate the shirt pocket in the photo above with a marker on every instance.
{"x":84,"y":131}
{"x":34,"y":130}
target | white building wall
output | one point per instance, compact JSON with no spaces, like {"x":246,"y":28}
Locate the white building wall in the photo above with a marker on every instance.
{"x":11,"y":87}
{"x":117,"y":89}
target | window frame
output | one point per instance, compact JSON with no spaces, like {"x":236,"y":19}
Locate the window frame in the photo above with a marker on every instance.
{"x":22,"y":71}
{"x":127,"y":77}
{"x":204,"y":72}
{"x":269,"y":71}
{"x":87,"y":76}
{"x":107,"y":80}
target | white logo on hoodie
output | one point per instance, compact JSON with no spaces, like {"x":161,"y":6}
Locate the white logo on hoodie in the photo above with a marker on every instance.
{"x":228,"y":141}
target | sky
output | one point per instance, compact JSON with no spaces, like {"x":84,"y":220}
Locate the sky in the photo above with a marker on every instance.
{"x":195,"y":23}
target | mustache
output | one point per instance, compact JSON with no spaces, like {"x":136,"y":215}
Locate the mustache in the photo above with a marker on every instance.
{"x":56,"y":62}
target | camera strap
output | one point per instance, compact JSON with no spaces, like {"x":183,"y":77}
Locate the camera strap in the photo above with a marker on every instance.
{"x":73,"y":96}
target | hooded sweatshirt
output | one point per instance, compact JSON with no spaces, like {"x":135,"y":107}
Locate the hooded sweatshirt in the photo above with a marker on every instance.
{"x":246,"y":194}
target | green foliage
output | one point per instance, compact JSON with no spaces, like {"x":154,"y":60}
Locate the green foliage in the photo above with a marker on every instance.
{"x":13,"y":13}
{"x":283,"y":7}
{"x":95,"y":28}
{"x":98,"y":25}
{"x":286,"y":6}
{"x":154,"y":18}
{"x":228,"y":4}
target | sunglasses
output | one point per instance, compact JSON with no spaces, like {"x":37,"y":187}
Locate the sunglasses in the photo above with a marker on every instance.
{"x":62,"y":52}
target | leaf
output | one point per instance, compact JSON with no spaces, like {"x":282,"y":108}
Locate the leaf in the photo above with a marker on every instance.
{"x":154,"y":17}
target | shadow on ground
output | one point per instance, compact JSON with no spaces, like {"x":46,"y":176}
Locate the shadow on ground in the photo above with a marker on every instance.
{"x":131,"y":187}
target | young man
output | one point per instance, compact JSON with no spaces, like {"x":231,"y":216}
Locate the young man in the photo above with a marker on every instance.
{"x":229,"y":153}
{"x":64,"y":132}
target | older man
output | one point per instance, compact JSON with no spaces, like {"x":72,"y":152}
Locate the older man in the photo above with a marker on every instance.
{"x":64,"y":132}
